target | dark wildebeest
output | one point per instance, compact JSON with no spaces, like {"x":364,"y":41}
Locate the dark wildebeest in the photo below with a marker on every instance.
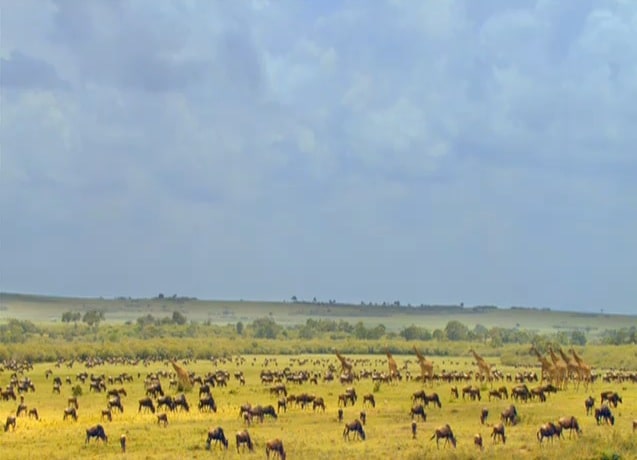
{"x":282,"y":403}
{"x":414,"y":428}
{"x":445,"y":433}
{"x":207,"y":404}
{"x":418,"y":410}
{"x":72,"y":402}
{"x":548,"y":430}
{"x":369,"y":398}
{"x":217,"y":435}
{"x":21,"y":410}
{"x":604,"y":413}
{"x":146,"y":404}
{"x":432,"y":398}
{"x":612,"y":397}
{"x":70,"y":412}
{"x":454,"y":392}
{"x":318,"y":402}
{"x":484,"y":413}
{"x":243,"y":437}
{"x":108,"y":414}
{"x":96,"y":432}
{"x":473,"y":392}
{"x":154,"y":389}
{"x":276,"y":447}
{"x":11,"y":421}
{"x":589,"y":403}
{"x":477,"y":441}
{"x":340,"y":414}
{"x":267,"y":410}
{"x":570,"y":424}
{"x":357,"y":427}
{"x":510,"y":415}
{"x":166,"y":401}
{"x":204,"y":390}
{"x":34,"y":413}
{"x":363,"y":417}
{"x":498,"y":431}
{"x":162,"y":419}
{"x":181,"y":402}
{"x":115,"y":403}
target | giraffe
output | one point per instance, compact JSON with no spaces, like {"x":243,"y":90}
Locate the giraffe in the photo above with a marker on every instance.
{"x":346,"y":366}
{"x":182,"y":375}
{"x":547,"y":367}
{"x":585,"y":368}
{"x":572,"y":366}
{"x":426,"y":367}
{"x":483,"y":366}
{"x":393,"y":367}
{"x":560,"y":368}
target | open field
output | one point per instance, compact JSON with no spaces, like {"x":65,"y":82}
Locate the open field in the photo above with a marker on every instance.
{"x":307,"y":434}
{"x":50,"y":309}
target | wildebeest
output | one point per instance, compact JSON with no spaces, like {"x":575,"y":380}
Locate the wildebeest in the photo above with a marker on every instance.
{"x":634,"y":425}
{"x":477,"y":441}
{"x":369,"y":398}
{"x":414,"y":428}
{"x":146,"y":404}
{"x":72,"y":402}
{"x":454,"y":392}
{"x":432,"y":398}
{"x":484,"y":413}
{"x":207,"y":404}
{"x":473,"y":392}
{"x":444,"y":432}
{"x":318,"y":403}
{"x":70,"y":412}
{"x":204,"y":390}
{"x":243,"y":437}
{"x":521,"y":392}
{"x":162,"y":419}
{"x":107,"y":413}
{"x":589,"y":403}
{"x":154,"y":389}
{"x":570,"y":423}
{"x":115,"y":403}
{"x":509,"y":416}
{"x":357,"y":427}
{"x":498,"y":431}
{"x":34,"y":413}
{"x":96,"y":432}
{"x":418,"y":410}
{"x":21,"y":410}
{"x":282,"y":403}
{"x":363,"y":417}
{"x":612,"y":397}
{"x":217,"y":435}
{"x":604,"y":413}
{"x":166,"y":401}
{"x":181,"y":402}
{"x":548,"y":430}
{"x":340,"y":414}
{"x":276,"y":447}
{"x":11,"y":422}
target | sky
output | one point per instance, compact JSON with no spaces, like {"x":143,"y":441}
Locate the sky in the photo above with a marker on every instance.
{"x":430,"y":152}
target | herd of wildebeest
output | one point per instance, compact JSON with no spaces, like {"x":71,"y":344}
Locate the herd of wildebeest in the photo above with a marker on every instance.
{"x":476,"y":384}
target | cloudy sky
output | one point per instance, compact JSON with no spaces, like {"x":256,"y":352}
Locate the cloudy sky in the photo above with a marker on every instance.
{"x":423,"y":151}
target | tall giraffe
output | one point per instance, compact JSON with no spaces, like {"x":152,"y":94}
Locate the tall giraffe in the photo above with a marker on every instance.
{"x":182,"y":375}
{"x":483,"y":366}
{"x":426,"y":367}
{"x":393,"y":367}
{"x":346,"y":366}
{"x":586,"y":370}
{"x":560,"y":369}
{"x":548,"y":369}
{"x":572,"y":366}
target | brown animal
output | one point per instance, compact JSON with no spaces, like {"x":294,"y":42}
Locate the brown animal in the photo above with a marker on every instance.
{"x":146,"y":404}
{"x":340,"y":414}
{"x":477,"y":441}
{"x":418,"y":410}
{"x":363,"y":417}
{"x":22,"y":410}
{"x":611,"y":397}
{"x":243,"y":438}
{"x":96,"y":432}
{"x":548,"y":430}
{"x":107,"y":413}
{"x":10,"y":423}
{"x":162,"y":419}
{"x":509,"y":416}
{"x":483,"y":415}
{"x":357,"y":427}
{"x":414,"y":427}
{"x":444,"y":432}
{"x":34,"y":413}
{"x":217,"y":435}
{"x":498,"y":431}
{"x":318,"y":403}
{"x":276,"y":447}
{"x":70,"y":412}
{"x":369,"y":398}
{"x":634,"y":425}
{"x":454,"y":392}
{"x":72,"y":402}
{"x":570,"y":423}
{"x":589,"y":403}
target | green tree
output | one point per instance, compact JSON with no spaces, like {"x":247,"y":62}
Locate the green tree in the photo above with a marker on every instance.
{"x":439,"y":335}
{"x":239,"y":328}
{"x":179,"y":318}
{"x":578,"y":338}
{"x":455,"y":331}
{"x":93,"y":317}
{"x":265,"y":328}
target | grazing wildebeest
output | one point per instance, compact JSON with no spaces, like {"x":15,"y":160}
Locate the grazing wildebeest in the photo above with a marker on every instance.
{"x":340,"y":414}
{"x":21,"y":410}
{"x":181,"y":402}
{"x":96,"y":432}
{"x":477,"y":441}
{"x":166,"y":401}
{"x":604,"y":413}
{"x":414,"y":428}
{"x":484,"y":413}
{"x":498,"y":431}
{"x":243,"y":437}
{"x":34,"y":413}
{"x":612,"y":397}
{"x":162,"y":419}
{"x":357,"y":427}
{"x":146,"y":404}
{"x":70,"y":412}
{"x":276,"y":447}
{"x":154,"y":389}
{"x":363,"y":417}
{"x":510,"y":415}
{"x":217,"y":435}
{"x":282,"y":403}
{"x":418,"y":410}
{"x":445,"y":433}
{"x":207,"y":404}
{"x":589,"y":403}
{"x":72,"y":402}
{"x":548,"y":430}
{"x":115,"y":403}
{"x":204,"y":390}
{"x":318,"y":402}
{"x":369,"y":398}
{"x":107,"y":413}
{"x":11,"y":422}
{"x":521,"y":392}
{"x":570,"y":423}
{"x":454,"y":392}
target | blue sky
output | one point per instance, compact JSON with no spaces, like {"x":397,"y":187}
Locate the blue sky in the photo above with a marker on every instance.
{"x":428,"y":152}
